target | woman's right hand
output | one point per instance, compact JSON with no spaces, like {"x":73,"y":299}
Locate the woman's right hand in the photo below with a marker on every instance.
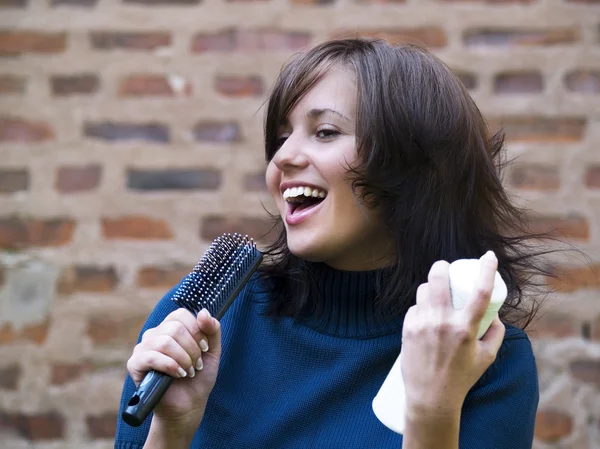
{"x":188,"y":349}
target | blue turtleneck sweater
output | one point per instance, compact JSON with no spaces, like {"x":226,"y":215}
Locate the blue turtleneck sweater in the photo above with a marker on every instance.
{"x":288,"y":383}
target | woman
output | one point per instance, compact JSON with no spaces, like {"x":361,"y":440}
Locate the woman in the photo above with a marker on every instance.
{"x":382,"y":169}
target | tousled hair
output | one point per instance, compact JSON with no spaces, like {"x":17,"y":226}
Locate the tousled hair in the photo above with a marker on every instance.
{"x":427,"y":162}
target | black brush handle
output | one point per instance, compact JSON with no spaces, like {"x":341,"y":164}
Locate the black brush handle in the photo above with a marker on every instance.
{"x":150,"y":391}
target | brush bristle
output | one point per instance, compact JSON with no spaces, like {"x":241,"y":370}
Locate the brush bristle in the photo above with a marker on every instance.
{"x":219,"y":275}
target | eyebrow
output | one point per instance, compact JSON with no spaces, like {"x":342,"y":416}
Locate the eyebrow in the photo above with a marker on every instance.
{"x":314,"y":113}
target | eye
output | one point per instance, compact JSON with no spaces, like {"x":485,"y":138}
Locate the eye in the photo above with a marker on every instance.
{"x":280,"y":141}
{"x":327,"y":133}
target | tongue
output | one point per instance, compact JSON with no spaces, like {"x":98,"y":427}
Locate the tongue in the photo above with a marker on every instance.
{"x":309,"y":202}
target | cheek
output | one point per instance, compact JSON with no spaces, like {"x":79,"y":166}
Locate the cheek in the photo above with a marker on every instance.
{"x":273,"y":179}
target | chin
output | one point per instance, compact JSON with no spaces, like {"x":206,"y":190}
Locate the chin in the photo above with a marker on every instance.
{"x":311,"y":252}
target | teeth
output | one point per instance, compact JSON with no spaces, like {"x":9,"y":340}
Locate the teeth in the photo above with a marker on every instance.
{"x":303,"y":192}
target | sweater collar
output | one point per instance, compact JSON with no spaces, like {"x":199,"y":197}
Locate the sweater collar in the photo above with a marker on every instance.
{"x":343,"y":304}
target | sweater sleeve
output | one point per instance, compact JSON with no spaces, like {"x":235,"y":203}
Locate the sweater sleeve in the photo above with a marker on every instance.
{"x":128,"y":437}
{"x":500,"y":410}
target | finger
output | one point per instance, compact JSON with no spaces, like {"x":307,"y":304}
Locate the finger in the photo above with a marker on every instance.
{"x":491,"y":341}
{"x":139,"y":365}
{"x":439,"y":286}
{"x":482,"y":293}
{"x":422,"y":293}
{"x":167,"y":345}
{"x":186,"y":340}
{"x":212,"y":329}
{"x":188,"y":319}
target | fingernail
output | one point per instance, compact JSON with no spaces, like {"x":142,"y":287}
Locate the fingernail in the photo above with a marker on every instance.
{"x":199,"y":364}
{"x":204,"y":312}
{"x":181,"y":372}
{"x":490,"y":255}
{"x":203,"y":345}
{"x":191,"y":371}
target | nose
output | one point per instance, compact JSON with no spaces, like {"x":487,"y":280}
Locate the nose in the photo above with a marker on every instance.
{"x":291,"y":155}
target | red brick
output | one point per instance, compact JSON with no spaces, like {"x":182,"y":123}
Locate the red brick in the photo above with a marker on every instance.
{"x":39,"y":427}
{"x":248,"y":40}
{"x":310,"y":2}
{"x":136,"y":227}
{"x":570,"y":279}
{"x":552,"y":425}
{"x":12,"y":84}
{"x":85,"y":3}
{"x":254,"y":182}
{"x":257,"y":228}
{"x":18,"y":42}
{"x":13,"y":129}
{"x":151,"y":86}
{"x":35,"y":333}
{"x":9,"y":377}
{"x":595,"y":329}
{"x":430,"y":36}
{"x":102,"y":426}
{"x":67,"y":85}
{"x":518,"y":83}
{"x":541,"y":129}
{"x":13,"y":3}
{"x":217,"y":132}
{"x":571,"y":226}
{"x":586,"y":2}
{"x":88,"y":279}
{"x":239,"y":86}
{"x":522,"y":37}
{"x":592,"y":177}
{"x":1,"y":275}
{"x":492,"y":2}
{"x":14,"y":180}
{"x":18,"y":233}
{"x":587,"y":371}
{"x":140,"y":41}
{"x":115,"y":331}
{"x":554,"y":325}
{"x":163,"y":2}
{"x":63,"y":373}
{"x":161,"y":277}
{"x":72,"y":179}
{"x":535,"y":177}
{"x":584,"y":81}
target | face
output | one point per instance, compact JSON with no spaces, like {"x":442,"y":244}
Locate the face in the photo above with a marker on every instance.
{"x":325,"y":221}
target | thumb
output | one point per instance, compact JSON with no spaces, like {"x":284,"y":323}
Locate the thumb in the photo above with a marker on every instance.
{"x":210,"y":327}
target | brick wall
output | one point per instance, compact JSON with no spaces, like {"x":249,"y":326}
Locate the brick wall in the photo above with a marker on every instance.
{"x":130,"y":136}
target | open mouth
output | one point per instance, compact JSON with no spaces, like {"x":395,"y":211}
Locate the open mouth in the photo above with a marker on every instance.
{"x":303,"y":198}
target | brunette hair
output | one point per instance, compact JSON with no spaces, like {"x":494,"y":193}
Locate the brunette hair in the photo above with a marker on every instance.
{"x":427,"y":162}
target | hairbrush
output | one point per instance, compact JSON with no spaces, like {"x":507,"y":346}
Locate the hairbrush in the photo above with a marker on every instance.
{"x":213,"y":284}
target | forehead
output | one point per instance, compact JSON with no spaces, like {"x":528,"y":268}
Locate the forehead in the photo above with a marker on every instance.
{"x":336,"y":91}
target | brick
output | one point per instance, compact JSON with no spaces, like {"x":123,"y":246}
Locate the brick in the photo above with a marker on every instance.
{"x":12,"y":84}
{"x":217,"y":132}
{"x":554,"y":325}
{"x":12,"y":181}
{"x":9,"y":377}
{"x":36,"y":333}
{"x":67,"y":85}
{"x":88,"y":278}
{"x":63,"y":373}
{"x":535,"y":177}
{"x":491,"y":2}
{"x":1,"y":275}
{"x":586,"y":2}
{"x":85,"y":3}
{"x":587,"y":371}
{"x":114,"y":331}
{"x":17,"y":233}
{"x":430,"y":36}
{"x":595,"y":329}
{"x":254,"y":182}
{"x":153,"y":86}
{"x":102,"y":426}
{"x":518,"y":83}
{"x":214,"y":226}
{"x":521,"y":37}
{"x":115,"y":132}
{"x":232,"y":39}
{"x":312,"y":2}
{"x":136,"y":227}
{"x":13,"y":129}
{"x":173,"y":179}
{"x":14,"y":43}
{"x":570,"y":226}
{"x":161,"y":277}
{"x":541,"y":129}
{"x":73,"y":179}
{"x":583,"y":81}
{"x":592,"y":177}
{"x":239,"y":86}
{"x":163,"y":2}
{"x":13,"y":3}
{"x":468,"y":79}
{"x":138,"y":41}
{"x":38,"y":427}
{"x":570,"y":279}
{"x":552,"y":425}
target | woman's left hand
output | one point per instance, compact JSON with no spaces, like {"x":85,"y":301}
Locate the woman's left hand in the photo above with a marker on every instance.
{"x":441,"y":356}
